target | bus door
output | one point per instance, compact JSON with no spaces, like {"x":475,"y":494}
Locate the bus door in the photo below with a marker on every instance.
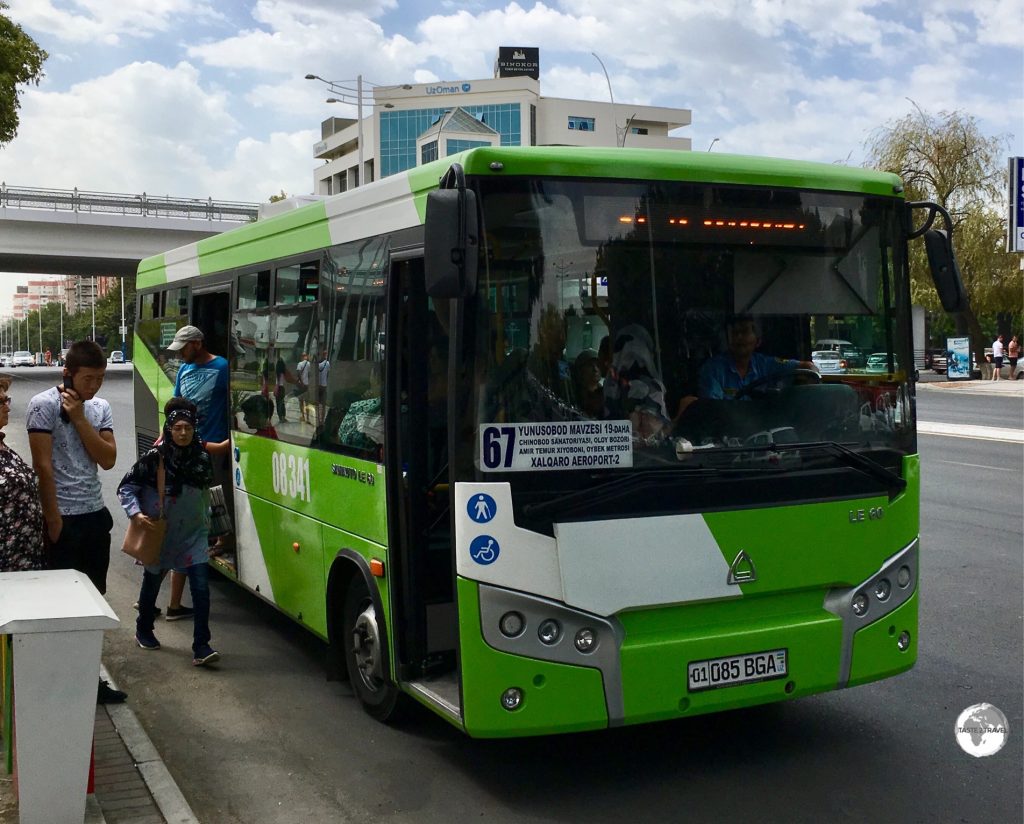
{"x":424,"y":614}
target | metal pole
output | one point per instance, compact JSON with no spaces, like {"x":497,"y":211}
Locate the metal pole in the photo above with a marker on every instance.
{"x":611,"y":97}
{"x":62,"y":323}
{"x":39,"y":317}
{"x":94,"y":310}
{"x":359,"y":114}
{"x":124,"y":350}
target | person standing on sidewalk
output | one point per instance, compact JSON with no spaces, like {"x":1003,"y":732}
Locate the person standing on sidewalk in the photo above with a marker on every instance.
{"x":70,"y":433}
{"x":997,"y":357}
{"x":21,"y":514}
{"x":188,"y":472}
{"x":202,"y":379}
{"x":1013,"y":353}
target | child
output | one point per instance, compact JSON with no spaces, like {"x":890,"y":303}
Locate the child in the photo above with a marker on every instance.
{"x":189,"y":473}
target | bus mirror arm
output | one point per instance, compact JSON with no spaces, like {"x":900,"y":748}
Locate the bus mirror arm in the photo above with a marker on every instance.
{"x":451,"y":238}
{"x":941,"y":258}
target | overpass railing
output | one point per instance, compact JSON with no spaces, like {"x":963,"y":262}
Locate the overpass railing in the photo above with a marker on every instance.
{"x":76,"y":200}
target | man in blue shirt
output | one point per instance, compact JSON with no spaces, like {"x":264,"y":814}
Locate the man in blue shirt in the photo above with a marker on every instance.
{"x":203,"y":379}
{"x":724,"y":375}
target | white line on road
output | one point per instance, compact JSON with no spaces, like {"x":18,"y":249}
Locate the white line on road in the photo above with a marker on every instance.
{"x":958,"y":430}
{"x":978,"y":466}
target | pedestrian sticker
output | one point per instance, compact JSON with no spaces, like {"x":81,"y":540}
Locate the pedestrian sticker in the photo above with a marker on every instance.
{"x":481,"y":508}
{"x":484,"y":550}
{"x":521,"y":447}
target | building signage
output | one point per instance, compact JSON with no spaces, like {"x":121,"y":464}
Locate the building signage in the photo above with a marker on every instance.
{"x":1015,"y":237}
{"x":441,"y":88}
{"x":516,"y":61}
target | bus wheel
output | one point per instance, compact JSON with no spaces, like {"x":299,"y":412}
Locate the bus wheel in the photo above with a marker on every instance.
{"x":364,"y":655}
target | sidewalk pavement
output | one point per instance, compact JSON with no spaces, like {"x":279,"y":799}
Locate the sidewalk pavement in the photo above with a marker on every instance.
{"x":1004,"y":386}
{"x":132,"y":784}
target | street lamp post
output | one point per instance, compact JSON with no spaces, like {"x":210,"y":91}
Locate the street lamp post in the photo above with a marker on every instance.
{"x":124,"y":329}
{"x":620,"y":137}
{"x":94,"y":310}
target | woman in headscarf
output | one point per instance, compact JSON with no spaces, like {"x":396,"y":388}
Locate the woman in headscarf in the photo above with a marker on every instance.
{"x":633,"y":388}
{"x":21,"y":513}
{"x":188,"y":474}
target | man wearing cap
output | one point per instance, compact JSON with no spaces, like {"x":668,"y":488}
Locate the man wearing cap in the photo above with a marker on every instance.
{"x":203,"y":379}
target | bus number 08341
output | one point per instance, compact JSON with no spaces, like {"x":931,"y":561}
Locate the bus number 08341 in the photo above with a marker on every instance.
{"x":291,"y":476}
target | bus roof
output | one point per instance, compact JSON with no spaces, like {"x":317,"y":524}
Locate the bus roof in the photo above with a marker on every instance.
{"x":399,"y":201}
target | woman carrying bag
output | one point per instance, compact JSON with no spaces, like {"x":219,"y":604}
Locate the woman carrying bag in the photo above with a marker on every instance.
{"x":188,"y":473}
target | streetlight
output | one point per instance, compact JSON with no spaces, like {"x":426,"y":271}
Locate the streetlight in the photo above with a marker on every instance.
{"x":93,"y":310}
{"x":353,"y":96}
{"x":620,"y":135}
{"x":713,"y":142}
{"x":124,"y":329}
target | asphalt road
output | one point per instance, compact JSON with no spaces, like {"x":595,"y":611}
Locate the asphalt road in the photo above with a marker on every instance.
{"x":266,"y":738}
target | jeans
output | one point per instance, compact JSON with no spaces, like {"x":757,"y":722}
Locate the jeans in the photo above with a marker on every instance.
{"x":198,"y":585}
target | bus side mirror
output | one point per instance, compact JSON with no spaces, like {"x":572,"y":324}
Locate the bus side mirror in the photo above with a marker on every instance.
{"x":452,"y":241}
{"x":945,"y":272}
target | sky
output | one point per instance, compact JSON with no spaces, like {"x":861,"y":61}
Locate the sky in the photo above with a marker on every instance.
{"x":207,"y":98}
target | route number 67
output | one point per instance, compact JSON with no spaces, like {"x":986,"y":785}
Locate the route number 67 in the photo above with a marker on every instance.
{"x":498,"y":446}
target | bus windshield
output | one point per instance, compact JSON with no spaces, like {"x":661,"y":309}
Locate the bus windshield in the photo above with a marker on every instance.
{"x":638,"y":324}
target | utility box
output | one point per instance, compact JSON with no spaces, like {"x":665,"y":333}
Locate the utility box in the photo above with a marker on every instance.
{"x":56,"y":620}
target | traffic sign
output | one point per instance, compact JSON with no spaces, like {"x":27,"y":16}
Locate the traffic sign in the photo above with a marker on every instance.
{"x":1015,"y":237}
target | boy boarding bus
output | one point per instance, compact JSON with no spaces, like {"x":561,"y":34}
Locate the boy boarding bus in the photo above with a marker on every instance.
{"x":568,"y":463}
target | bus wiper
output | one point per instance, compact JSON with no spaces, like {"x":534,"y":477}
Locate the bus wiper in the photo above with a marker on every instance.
{"x":893,"y":482}
{"x":615,"y":487}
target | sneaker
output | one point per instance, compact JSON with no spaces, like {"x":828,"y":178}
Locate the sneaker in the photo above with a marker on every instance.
{"x":204,"y":655}
{"x":157,"y":611}
{"x":106,"y":694}
{"x":146,"y":640}
{"x":176,"y":613}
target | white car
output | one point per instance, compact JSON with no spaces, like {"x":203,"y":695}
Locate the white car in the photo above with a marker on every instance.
{"x":117,"y":356}
{"x":23,"y":358}
{"x":5,"y":359}
{"x":828,"y":361}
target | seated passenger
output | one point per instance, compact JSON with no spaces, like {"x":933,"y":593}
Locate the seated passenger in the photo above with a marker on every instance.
{"x":589,"y":390}
{"x":724,"y":375}
{"x":633,"y":388}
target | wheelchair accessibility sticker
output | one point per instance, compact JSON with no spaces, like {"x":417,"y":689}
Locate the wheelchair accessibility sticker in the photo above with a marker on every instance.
{"x":484,"y":550}
{"x":481,"y":508}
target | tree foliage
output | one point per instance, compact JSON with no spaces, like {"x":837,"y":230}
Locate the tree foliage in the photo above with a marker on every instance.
{"x":21,"y":61}
{"x":946,"y":158}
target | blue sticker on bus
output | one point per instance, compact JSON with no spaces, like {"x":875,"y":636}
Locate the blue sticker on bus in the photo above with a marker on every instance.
{"x":484,"y":550}
{"x":481,"y":508}
{"x":238,"y":476}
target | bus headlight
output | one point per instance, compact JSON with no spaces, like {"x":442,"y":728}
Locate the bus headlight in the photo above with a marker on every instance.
{"x":860,"y":604}
{"x":903,"y":642}
{"x":903,"y":577}
{"x":585,"y":640}
{"x":883,"y":589}
{"x":512,"y":698}
{"x":511,"y":624}
{"x":549,"y":631}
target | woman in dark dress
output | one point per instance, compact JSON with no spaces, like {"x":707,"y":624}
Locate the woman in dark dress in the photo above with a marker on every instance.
{"x":21,"y":514}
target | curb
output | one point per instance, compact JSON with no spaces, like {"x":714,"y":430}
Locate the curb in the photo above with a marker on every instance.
{"x":161,"y":785}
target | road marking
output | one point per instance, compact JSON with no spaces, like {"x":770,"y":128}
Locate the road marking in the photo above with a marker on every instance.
{"x":958,"y":430}
{"x":978,"y":466}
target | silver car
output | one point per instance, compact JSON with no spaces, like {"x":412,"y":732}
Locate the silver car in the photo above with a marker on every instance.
{"x":828,"y":361}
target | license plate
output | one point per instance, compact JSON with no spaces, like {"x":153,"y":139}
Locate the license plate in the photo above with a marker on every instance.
{"x":736,"y":669}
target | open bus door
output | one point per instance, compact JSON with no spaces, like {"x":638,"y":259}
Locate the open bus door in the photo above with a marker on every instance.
{"x":424,"y":612}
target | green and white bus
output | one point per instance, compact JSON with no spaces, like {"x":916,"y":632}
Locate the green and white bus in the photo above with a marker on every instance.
{"x":507,"y":492}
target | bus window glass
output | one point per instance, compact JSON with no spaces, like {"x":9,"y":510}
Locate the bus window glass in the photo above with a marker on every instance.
{"x":254,"y":290}
{"x":252,"y":381}
{"x":350,"y":366}
{"x":147,"y":306}
{"x":297,"y":284}
{"x":158,"y":321}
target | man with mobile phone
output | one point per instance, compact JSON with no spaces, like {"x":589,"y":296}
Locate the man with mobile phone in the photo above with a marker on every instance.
{"x":70,"y":433}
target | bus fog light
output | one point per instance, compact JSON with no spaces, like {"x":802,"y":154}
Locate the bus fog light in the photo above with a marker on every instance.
{"x":883,"y":589}
{"x":585,"y":640}
{"x":549,"y":631}
{"x":903,"y":577}
{"x":511,"y":624}
{"x":903,"y":642}
{"x":512,"y":698}
{"x":860,"y":604}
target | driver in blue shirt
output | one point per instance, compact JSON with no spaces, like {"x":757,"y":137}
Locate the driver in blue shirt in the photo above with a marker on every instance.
{"x":725,"y":374}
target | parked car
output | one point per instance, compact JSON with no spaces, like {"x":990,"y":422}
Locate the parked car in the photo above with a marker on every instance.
{"x":879,"y":362}
{"x":23,"y":358}
{"x":828,"y":362}
{"x":853,"y":356}
{"x":117,"y":356}
{"x":935,"y":359}
{"x":5,"y":359}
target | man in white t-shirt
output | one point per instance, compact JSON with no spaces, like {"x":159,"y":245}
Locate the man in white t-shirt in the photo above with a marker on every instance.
{"x":997,"y":357}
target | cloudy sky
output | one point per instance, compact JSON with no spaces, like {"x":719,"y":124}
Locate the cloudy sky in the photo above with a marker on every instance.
{"x":200,"y":98}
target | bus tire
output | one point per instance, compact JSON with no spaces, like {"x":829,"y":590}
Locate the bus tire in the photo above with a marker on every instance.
{"x":365,"y":661}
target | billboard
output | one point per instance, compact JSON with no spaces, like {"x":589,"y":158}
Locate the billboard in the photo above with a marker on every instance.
{"x":1015,"y":237}
{"x":516,"y":61}
{"x":958,"y":359}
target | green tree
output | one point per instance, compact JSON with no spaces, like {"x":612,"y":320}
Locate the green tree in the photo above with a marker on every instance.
{"x":21,"y":61}
{"x":276,"y":198}
{"x":947,"y":159}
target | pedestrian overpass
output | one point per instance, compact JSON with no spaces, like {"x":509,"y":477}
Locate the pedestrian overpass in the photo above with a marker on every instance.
{"x":74,"y":232}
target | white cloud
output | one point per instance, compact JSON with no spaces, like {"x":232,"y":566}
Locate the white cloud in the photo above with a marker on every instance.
{"x":101,"y":20}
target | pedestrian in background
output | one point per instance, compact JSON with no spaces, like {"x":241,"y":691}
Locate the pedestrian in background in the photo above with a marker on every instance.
{"x":203,"y":379}
{"x":71,"y":433}
{"x":997,"y":357}
{"x":301,"y":390}
{"x":185,"y":506}
{"x":21,"y":513}
{"x":1013,"y":353}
